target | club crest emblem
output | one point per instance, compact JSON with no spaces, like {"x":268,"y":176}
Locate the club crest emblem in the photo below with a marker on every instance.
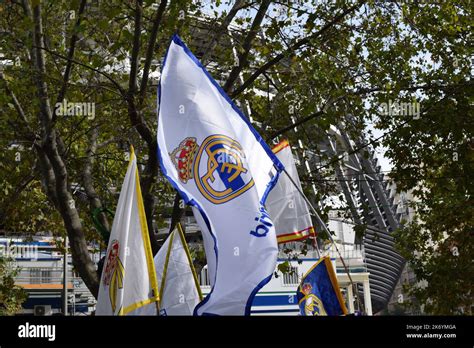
{"x":217,"y":167}
{"x":113,"y":273}
{"x":312,"y":304}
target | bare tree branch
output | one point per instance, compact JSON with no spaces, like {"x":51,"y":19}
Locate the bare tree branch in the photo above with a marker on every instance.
{"x":19,"y":109}
{"x":45,"y":107}
{"x":134,"y":58}
{"x":133,"y":112}
{"x":247,"y":45}
{"x":275,"y":60}
{"x":151,"y":49}
{"x":296,"y":124}
{"x":48,"y":181}
{"x":70,"y":55}
{"x":107,"y":76}
{"x":217,"y":34}
{"x":89,"y":188}
{"x":16,"y":194}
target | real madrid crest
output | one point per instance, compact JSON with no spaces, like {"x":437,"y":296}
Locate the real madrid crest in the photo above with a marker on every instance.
{"x":217,"y":166}
{"x":113,"y":273}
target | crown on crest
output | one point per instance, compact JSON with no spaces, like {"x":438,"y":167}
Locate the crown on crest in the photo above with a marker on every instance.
{"x":183,"y":158}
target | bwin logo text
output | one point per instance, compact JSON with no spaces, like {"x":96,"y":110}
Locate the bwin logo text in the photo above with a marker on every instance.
{"x":263,"y":224}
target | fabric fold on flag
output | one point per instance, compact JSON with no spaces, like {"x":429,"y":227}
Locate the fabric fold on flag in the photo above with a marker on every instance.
{"x":128,"y":280}
{"x":286,"y":206}
{"x":221,"y":166}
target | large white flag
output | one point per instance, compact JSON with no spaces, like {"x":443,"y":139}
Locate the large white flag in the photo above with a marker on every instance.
{"x":178,"y":284}
{"x":221,"y":166}
{"x":286,"y":206}
{"x":128,"y":279}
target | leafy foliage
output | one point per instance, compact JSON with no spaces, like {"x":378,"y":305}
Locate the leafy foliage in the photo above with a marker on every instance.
{"x":11,"y":296}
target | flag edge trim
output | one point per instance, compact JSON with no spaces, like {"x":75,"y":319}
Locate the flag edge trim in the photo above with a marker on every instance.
{"x":146,"y":239}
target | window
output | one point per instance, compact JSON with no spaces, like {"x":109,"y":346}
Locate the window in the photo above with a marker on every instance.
{"x":35,"y":275}
{"x":203,"y":277}
{"x":291,"y":277}
{"x":40,"y":275}
{"x":46,"y":276}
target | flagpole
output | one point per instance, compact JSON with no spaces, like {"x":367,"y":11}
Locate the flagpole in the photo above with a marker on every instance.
{"x":157,"y":303}
{"x":315,"y":246}
{"x":315,"y":213}
{"x":188,"y":254}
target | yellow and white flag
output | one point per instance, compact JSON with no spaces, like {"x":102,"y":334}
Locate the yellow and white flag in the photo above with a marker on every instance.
{"x":128,"y":279}
{"x":178,"y":284}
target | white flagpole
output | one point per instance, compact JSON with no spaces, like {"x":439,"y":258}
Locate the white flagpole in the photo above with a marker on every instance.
{"x":315,"y":213}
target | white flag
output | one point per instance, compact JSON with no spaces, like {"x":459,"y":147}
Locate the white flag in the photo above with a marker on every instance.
{"x":286,"y":206}
{"x":178,"y":285}
{"x":128,"y":279}
{"x":221,"y":166}
{"x":208,"y":242}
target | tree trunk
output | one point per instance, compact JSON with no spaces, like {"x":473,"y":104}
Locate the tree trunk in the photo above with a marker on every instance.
{"x":57,"y":179}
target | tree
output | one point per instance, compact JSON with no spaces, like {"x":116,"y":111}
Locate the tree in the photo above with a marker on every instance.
{"x":306,"y":64}
{"x":11,"y":296}
{"x":432,"y":154}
